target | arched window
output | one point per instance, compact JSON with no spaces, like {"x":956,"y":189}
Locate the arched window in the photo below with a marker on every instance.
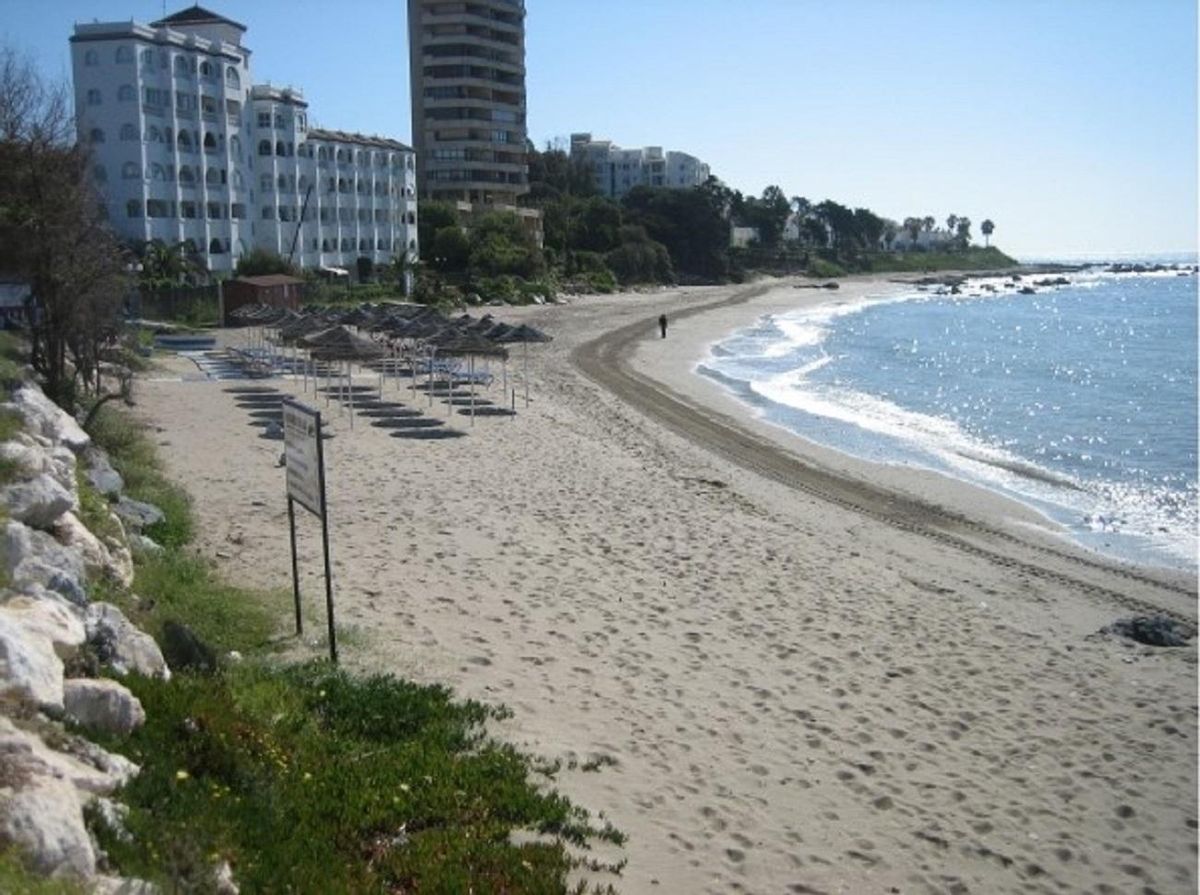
{"x":184,"y":142}
{"x":215,"y":247}
{"x":91,"y":58}
{"x":206,"y":70}
{"x":345,"y":244}
{"x":93,"y":98}
{"x":181,"y":67}
{"x":212,"y":176}
{"x":410,"y":218}
{"x":131,"y":171}
{"x":133,"y":208}
{"x":187,"y":175}
{"x":361,"y":187}
{"x":379,"y":244}
{"x":266,"y":183}
{"x":96,"y":135}
{"x":157,"y":171}
{"x":124,"y":54}
{"x":412,"y":245}
{"x":264,"y":147}
{"x":129,"y":132}
{"x":147,"y":58}
{"x":280,"y":148}
{"x":268,"y":212}
{"x":232,"y":78}
{"x":364,"y":245}
{"x":100,"y":174}
{"x":325,"y":245}
{"x":210,"y":142}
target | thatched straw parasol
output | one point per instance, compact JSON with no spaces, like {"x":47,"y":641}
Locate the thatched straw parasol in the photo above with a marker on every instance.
{"x":523,"y":334}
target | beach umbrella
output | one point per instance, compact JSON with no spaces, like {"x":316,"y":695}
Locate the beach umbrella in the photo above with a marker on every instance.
{"x":341,"y":345}
{"x":470,"y":345}
{"x":525,"y":335}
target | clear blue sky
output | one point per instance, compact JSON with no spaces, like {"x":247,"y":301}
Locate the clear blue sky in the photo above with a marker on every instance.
{"x":1071,"y":123}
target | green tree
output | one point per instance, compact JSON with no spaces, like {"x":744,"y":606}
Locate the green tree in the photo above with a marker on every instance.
{"x":693,"y":224}
{"x":164,"y":266}
{"x":912,"y":226}
{"x":962,"y":230}
{"x":449,"y":250}
{"x":262,"y":262}
{"x":500,"y":245}
{"x":987,"y":228}
{"x":594,"y":225}
{"x":639,"y":259}
{"x":432,"y":217}
{"x":53,"y":232}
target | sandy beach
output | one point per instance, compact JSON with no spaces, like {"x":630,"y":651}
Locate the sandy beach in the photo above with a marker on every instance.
{"x":775,"y":668}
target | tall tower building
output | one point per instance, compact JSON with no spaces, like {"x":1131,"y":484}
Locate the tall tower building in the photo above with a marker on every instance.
{"x":467,"y":70}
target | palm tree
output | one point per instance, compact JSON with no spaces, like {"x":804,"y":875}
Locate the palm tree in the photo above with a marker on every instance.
{"x":986,"y":229}
{"x":913,"y":226}
{"x":952,"y":224}
{"x":928,"y":223}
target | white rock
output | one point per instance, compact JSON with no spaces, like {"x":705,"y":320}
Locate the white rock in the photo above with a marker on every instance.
{"x":37,"y":502}
{"x":88,"y":768}
{"x":29,"y":666}
{"x":121,"y":885}
{"x":45,"y":614}
{"x":120,"y":565}
{"x":33,"y":557}
{"x":101,"y":474}
{"x":223,"y":880}
{"x":29,"y":457}
{"x":45,"y":820}
{"x":120,"y":644}
{"x":62,"y":467}
{"x":143,"y":545}
{"x":73,"y":534}
{"x":113,"y":817}
{"x":102,"y":704}
{"x":48,"y":419}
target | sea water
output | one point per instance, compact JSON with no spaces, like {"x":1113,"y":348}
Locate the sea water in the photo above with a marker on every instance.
{"x":1079,"y":400}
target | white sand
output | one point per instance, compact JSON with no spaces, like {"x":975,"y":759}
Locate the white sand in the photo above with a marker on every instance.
{"x":806,"y":680}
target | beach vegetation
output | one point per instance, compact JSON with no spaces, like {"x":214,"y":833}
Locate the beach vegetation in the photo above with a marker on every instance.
{"x":303,"y":777}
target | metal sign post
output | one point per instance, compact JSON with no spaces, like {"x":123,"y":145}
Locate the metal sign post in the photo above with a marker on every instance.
{"x":305,"y":459}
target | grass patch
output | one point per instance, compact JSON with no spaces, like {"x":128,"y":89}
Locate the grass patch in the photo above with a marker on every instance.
{"x":973,"y":258}
{"x":94,"y":508}
{"x":307,"y":779}
{"x":819,"y":267}
{"x":15,"y":878}
{"x":134,"y":457}
{"x":185,"y":588}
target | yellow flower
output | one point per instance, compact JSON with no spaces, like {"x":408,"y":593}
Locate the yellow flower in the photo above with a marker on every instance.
{"x":181,"y":775}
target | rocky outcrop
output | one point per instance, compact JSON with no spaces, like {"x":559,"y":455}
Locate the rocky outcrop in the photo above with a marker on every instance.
{"x":102,"y":704}
{"x":116,"y":641}
{"x":34,"y":558}
{"x":45,"y":418}
{"x":47,"y":625}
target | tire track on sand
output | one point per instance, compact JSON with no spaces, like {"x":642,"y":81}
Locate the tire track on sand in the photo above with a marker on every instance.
{"x":605,"y":360}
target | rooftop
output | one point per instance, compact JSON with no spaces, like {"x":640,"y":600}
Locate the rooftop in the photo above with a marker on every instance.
{"x":319,"y":133}
{"x":196,"y":15}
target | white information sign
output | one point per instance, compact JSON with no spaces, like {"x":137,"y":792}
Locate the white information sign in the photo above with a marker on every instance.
{"x":302,"y":452}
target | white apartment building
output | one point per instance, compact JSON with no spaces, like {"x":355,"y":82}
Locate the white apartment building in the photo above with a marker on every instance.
{"x":185,"y":148}
{"x":617,"y":171}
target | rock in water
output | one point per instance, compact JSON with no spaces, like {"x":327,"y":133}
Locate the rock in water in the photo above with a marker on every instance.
{"x":184,"y":650}
{"x":1152,"y":630}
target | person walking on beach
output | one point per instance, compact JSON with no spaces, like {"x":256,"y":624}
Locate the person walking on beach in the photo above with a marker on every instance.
{"x":662,"y":324}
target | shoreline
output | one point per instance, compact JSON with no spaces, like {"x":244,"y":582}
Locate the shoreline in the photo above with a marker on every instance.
{"x":776,"y":688}
{"x":914,"y":479}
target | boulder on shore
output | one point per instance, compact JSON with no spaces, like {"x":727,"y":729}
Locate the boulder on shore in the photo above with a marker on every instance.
{"x":46,"y":418}
{"x":37,"y":502}
{"x":35,"y":558}
{"x":137,"y":514}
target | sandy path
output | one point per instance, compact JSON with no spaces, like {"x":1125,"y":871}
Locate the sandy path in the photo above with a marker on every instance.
{"x":790,"y":692}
